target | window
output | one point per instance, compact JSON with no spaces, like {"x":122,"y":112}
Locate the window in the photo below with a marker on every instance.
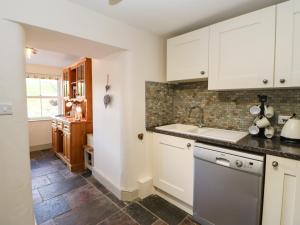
{"x":43,"y":96}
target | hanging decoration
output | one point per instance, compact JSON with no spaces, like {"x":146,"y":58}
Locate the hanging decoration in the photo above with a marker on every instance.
{"x":107,"y":97}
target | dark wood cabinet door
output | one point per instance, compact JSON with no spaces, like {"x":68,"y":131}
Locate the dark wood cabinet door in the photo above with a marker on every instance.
{"x":67,"y":145}
{"x":54,"y":139}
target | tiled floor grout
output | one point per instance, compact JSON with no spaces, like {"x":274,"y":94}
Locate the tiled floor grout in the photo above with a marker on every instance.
{"x":38,"y":189}
{"x":151,"y":213}
{"x":108,"y":217}
{"x":183,"y":219}
{"x":123,"y":210}
{"x":106,"y":195}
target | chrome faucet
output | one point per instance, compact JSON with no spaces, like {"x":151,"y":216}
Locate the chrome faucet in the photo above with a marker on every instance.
{"x":201,"y":124}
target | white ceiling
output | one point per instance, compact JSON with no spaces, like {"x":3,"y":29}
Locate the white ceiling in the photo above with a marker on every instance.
{"x":61,"y":49}
{"x":50,"y":58}
{"x":172,"y":17}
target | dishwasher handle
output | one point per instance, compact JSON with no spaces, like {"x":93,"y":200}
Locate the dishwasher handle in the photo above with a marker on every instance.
{"x":222,"y":161}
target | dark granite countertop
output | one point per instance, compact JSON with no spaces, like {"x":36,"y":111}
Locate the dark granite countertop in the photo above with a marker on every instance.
{"x":249,"y":144}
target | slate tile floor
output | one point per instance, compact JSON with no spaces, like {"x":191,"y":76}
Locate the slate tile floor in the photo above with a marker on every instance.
{"x":61,"y":197}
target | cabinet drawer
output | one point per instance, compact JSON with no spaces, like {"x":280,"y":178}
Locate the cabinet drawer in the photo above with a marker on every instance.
{"x":59,"y":125}
{"x":53,"y":123}
{"x":66,"y":127}
{"x":176,"y":142}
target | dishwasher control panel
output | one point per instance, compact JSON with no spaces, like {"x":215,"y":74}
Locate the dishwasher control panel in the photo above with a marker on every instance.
{"x":230,"y":158}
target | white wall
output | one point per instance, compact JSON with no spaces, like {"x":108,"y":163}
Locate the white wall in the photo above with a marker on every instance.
{"x":40,"y":130}
{"x":40,"y":136}
{"x":43,"y":69}
{"x":15,"y":188}
{"x":145,"y":60}
{"x":107,"y":127}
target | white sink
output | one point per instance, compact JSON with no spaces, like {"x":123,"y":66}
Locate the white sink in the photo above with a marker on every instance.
{"x":179,"y":128}
{"x":206,"y":132}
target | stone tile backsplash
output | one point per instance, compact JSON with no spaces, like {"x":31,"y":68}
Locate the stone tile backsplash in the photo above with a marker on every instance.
{"x":159,"y":104}
{"x":190,"y":102}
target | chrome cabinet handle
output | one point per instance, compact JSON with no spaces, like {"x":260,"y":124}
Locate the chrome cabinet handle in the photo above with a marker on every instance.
{"x":275,"y":164}
{"x":265,"y":81}
{"x":202,"y":72}
{"x":188,"y":145}
{"x":282,"y":81}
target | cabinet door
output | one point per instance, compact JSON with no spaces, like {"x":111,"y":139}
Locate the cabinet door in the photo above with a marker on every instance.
{"x":187,"y":56}
{"x":80,"y":77}
{"x":66,"y":84}
{"x":173,"y":165}
{"x":282,"y":192}
{"x":287,"y":64}
{"x":82,"y":85}
{"x":67,"y":145}
{"x":54,"y":139}
{"x":242,"y":51}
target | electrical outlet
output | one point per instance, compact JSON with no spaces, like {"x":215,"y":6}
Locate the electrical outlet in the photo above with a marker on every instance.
{"x":282,"y":119}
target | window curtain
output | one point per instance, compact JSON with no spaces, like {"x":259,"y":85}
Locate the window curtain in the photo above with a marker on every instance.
{"x":43,"y":76}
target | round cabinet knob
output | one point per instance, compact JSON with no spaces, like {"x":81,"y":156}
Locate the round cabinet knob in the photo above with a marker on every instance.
{"x":265,"y":81}
{"x":188,"y":145}
{"x":282,"y":81}
{"x":275,"y":164}
{"x":239,"y":163}
{"x":202,"y":72}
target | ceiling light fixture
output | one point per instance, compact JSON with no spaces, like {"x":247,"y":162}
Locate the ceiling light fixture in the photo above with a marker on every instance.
{"x":29,"y":52}
{"x":114,"y":2}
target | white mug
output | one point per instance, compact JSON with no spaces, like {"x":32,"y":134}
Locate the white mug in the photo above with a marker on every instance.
{"x":269,"y":111}
{"x":263,"y":122}
{"x":269,"y":132}
{"x":253,"y":130}
{"x":257,"y":119}
{"x":255,"y":110}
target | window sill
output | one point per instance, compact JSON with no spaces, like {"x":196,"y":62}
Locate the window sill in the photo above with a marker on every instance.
{"x":39,"y":119}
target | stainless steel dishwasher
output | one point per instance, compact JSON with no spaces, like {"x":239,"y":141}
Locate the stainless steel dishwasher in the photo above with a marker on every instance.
{"x":228,"y":186}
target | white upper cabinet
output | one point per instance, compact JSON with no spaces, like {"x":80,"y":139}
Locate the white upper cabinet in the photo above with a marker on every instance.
{"x":287,"y":64}
{"x":241,"y":52}
{"x":187,"y":56}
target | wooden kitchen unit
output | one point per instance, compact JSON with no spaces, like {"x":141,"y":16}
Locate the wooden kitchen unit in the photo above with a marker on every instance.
{"x":68,"y":139}
{"x":69,"y":132}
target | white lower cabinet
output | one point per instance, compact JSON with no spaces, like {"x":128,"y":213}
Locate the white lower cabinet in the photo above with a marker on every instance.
{"x":282,"y":192}
{"x":174,"y":166}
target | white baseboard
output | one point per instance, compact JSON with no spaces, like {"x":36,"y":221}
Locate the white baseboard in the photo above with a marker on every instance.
{"x":107,"y":183}
{"x":40,"y":147}
{"x":129,"y":195}
{"x":125,"y":195}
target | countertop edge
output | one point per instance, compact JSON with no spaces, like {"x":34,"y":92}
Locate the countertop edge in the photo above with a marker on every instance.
{"x":239,"y":146}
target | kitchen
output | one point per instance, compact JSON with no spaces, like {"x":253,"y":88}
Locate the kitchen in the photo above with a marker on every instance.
{"x":193,"y":119}
{"x":223,"y":85}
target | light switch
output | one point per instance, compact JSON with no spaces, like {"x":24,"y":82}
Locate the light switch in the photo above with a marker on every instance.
{"x":6,"y":109}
